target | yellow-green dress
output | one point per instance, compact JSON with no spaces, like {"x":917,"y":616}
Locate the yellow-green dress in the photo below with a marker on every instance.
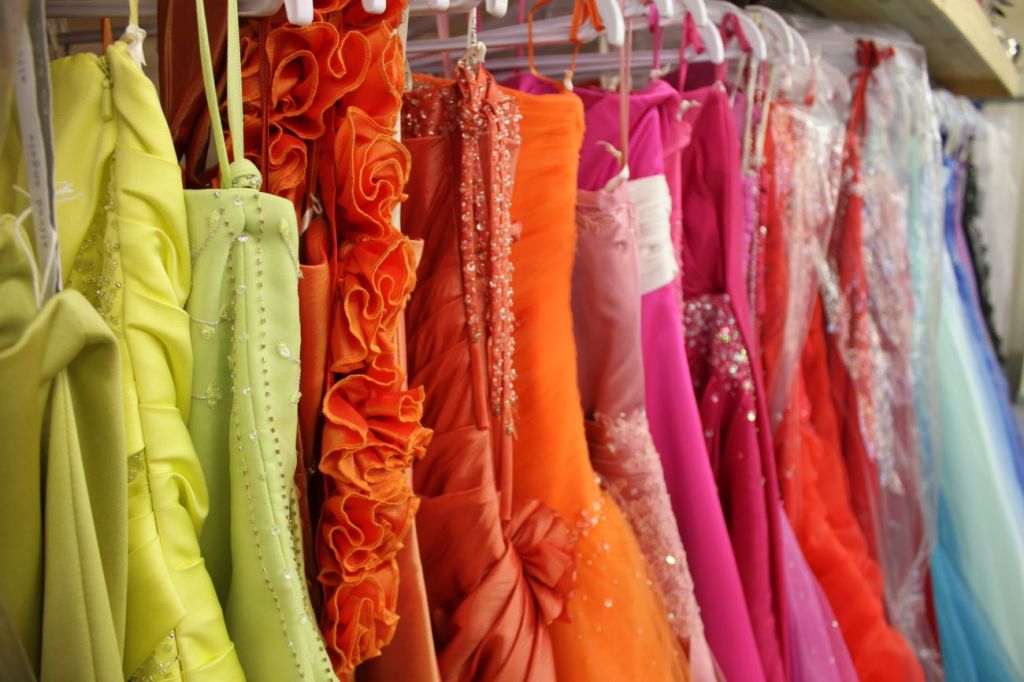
{"x":245,"y":334}
{"x":124,"y":245}
{"x":63,"y":545}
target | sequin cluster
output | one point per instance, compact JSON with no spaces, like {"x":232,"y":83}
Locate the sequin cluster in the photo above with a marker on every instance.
{"x":96,"y":270}
{"x":162,"y":665}
{"x":97,"y":273}
{"x":487,"y":253}
{"x":712,"y":332}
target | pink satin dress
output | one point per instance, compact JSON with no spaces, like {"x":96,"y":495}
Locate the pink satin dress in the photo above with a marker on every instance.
{"x":657,"y":137}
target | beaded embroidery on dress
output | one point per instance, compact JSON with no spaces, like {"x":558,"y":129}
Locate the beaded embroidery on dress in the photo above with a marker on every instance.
{"x":606,"y":295}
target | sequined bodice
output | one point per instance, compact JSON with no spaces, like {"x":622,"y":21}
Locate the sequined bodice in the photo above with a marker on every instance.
{"x":486,"y":121}
{"x":712,"y":334}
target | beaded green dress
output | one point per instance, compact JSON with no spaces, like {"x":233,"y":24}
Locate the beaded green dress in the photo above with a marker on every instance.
{"x":244,"y":310}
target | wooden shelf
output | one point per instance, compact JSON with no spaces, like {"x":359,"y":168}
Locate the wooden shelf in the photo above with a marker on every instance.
{"x":964,"y":55}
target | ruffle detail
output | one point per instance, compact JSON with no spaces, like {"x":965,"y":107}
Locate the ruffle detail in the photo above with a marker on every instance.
{"x":371,"y":435}
{"x":287,"y":158}
{"x":360,"y":618}
{"x":374,"y":286}
{"x":330,"y":97}
{"x":372,"y":168}
{"x":380,"y":95}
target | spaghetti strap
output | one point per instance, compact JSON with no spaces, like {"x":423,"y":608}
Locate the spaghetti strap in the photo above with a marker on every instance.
{"x":244,"y":306}
{"x":239,"y":172}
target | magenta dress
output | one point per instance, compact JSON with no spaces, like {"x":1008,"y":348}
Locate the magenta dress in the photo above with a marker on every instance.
{"x":727,"y":384}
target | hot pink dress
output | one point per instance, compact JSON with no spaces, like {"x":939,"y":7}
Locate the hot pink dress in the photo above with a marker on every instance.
{"x":727,"y":384}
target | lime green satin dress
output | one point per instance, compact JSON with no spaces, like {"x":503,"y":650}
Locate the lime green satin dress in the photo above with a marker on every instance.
{"x":124,"y":245}
{"x":245,"y":335}
{"x":63,"y":546}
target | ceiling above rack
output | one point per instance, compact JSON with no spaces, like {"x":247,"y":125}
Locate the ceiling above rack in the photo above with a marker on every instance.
{"x":964,"y":54}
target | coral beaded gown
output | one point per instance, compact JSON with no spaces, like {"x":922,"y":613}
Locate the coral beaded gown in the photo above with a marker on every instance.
{"x":617,"y":628}
{"x":492,"y":596}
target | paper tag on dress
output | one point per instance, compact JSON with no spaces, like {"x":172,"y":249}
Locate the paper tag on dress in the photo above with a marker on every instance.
{"x":32,"y":91}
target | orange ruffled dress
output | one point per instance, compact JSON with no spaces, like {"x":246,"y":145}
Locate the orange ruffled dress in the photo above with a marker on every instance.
{"x":322,"y":104}
{"x":617,"y":627}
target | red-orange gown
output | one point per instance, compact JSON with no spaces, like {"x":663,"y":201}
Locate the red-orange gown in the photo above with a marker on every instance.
{"x":619,"y":629}
{"x":497,"y":571}
{"x":808,"y":447}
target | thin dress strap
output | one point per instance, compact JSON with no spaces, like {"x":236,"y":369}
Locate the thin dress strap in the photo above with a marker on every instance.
{"x":689,"y":36}
{"x":234,"y":93}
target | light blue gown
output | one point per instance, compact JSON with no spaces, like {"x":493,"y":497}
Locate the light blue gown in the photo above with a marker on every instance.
{"x":978,"y":561}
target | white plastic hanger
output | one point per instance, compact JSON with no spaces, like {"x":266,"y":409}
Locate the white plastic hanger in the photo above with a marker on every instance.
{"x":613,"y":20}
{"x":638,"y":8}
{"x":550,"y":31}
{"x":699,"y":10}
{"x":418,"y":8}
{"x":803,"y":53}
{"x":778,"y":37}
{"x":717,"y":9}
{"x":597,"y":62}
{"x":496,"y":8}
{"x":300,"y":12}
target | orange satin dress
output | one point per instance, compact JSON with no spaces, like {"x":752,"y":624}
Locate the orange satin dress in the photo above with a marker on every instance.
{"x":617,"y":626}
{"x":808,"y":446}
{"x":497,"y":571}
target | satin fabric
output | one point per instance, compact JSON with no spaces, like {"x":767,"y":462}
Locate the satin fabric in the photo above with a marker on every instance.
{"x":602,"y":214}
{"x":606,"y":318}
{"x":672,"y":405}
{"x":491,"y":597}
{"x":124,"y":244}
{"x":246,"y":388}
{"x":63,"y":479}
{"x":245,"y":312}
{"x":618,"y":626}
